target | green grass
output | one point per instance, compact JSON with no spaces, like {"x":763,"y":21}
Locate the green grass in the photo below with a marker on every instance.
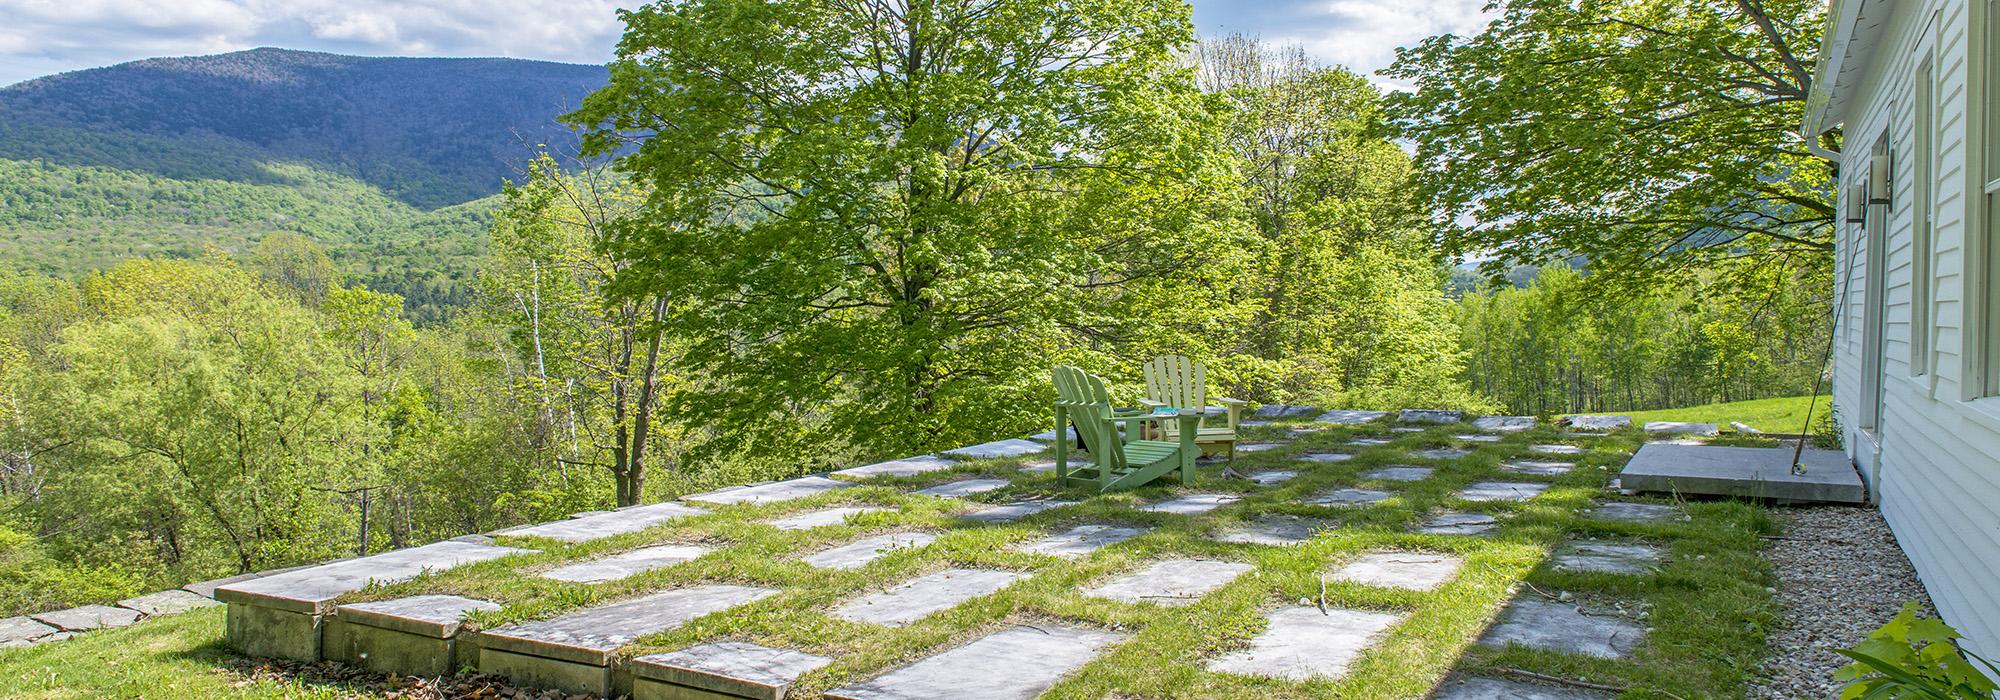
{"x":1707,"y":605}
{"x":1781,"y":415}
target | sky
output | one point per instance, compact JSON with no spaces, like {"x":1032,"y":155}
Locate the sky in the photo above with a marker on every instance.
{"x":41,"y":37}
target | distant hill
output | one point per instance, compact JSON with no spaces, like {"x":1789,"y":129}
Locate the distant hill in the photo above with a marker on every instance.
{"x":430,"y":132}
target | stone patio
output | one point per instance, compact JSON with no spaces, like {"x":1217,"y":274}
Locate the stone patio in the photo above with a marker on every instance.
{"x":1302,"y":643}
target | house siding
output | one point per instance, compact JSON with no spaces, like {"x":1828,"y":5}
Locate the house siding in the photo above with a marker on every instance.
{"x":1934,"y":461}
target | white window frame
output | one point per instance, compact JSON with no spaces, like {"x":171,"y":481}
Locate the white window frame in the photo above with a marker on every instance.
{"x":1923,"y":201}
{"x":1981,"y":351}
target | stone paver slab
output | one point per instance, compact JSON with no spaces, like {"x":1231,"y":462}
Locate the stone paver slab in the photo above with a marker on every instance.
{"x":1012,"y":664}
{"x":594,"y":635}
{"x":1406,"y":429}
{"x":1082,"y":540}
{"x":771,"y":492}
{"x":907,"y":466}
{"x":1350,"y":417}
{"x":1041,"y":466}
{"x":1172,"y":583}
{"x":1458,"y":524}
{"x":1278,"y":410}
{"x":624,"y":564}
{"x":21,"y":628}
{"x":1327,"y":457}
{"x":825,"y":517}
{"x":601,"y":525}
{"x":88,"y":617}
{"x":1423,"y":415}
{"x":1259,"y":447}
{"x":1445,"y":453}
{"x":917,"y":599}
{"x":1558,"y":449}
{"x":1504,"y":424}
{"x":1746,"y":472}
{"x":1011,"y":447}
{"x":434,"y":616}
{"x":1302,"y":643}
{"x":1017,"y":510}
{"x":859,"y":553}
{"x":1538,"y":467}
{"x":172,"y":602}
{"x":1276,"y":531}
{"x":1598,"y":423}
{"x":1540,"y":624}
{"x":1271,"y":477}
{"x":965,"y":487}
{"x":311,"y":590}
{"x":1669,"y":427}
{"x":1477,"y":438}
{"x":1349,"y":497}
{"x":732,"y":669}
{"x":1398,"y":474}
{"x":1625,"y":512}
{"x":1495,"y":689}
{"x":1417,"y":571}
{"x":1501,"y":491}
{"x":1193,"y":504}
{"x":1610,"y":558}
{"x":1369,"y":442}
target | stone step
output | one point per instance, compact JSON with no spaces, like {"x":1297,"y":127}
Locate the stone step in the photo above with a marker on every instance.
{"x":1171,"y":583}
{"x":574,"y":652}
{"x":414,"y":636}
{"x":907,"y":466}
{"x":1416,"y":571}
{"x":770,"y":492}
{"x":721,"y":670}
{"x":1302,"y":643}
{"x":606,"y":524}
{"x":860,"y":553}
{"x":824,"y":518}
{"x":917,"y":599}
{"x":1082,"y":540}
{"x":1540,"y":624}
{"x":1013,"y":664}
{"x":625,"y":564}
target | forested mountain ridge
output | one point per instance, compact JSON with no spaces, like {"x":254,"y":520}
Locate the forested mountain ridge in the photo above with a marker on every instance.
{"x":431,"y":132}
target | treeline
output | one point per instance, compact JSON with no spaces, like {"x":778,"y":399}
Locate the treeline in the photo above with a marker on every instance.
{"x":1560,"y":345}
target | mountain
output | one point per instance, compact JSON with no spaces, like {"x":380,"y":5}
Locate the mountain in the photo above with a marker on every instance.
{"x":430,"y":132}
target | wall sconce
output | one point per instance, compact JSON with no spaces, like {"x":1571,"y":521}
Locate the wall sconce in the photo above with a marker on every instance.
{"x":1878,"y":179}
{"x":1857,"y":203}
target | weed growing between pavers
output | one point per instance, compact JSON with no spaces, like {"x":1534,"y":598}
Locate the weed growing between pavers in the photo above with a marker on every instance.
{"x":1708,"y":602}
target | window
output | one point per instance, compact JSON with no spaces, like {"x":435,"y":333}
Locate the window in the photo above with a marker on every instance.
{"x":1923,"y":132}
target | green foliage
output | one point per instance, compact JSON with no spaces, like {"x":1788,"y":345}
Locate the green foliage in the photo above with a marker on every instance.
{"x":1653,"y":138}
{"x":32,"y":582}
{"x":1912,"y":657}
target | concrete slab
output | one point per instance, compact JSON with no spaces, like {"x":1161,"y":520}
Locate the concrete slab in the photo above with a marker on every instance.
{"x":1349,"y":497}
{"x":1302,"y":643}
{"x":1398,"y":473}
{"x":965,"y":487}
{"x":1172,"y":583}
{"x":1458,"y":524}
{"x":1193,"y":504}
{"x":1504,"y":424}
{"x":1538,"y":467}
{"x":1744,"y":472}
{"x":624,"y":564}
{"x":771,"y":492}
{"x":1445,"y":453}
{"x":593,"y":636}
{"x":1012,"y":664}
{"x":1501,"y":491}
{"x":1557,"y":449}
{"x":1081,"y":540}
{"x":825,"y":517}
{"x":729,"y":669}
{"x":1421,"y":415}
{"x":438,"y":616}
{"x":84,"y":618}
{"x":1416,"y":571}
{"x":257,"y":630}
{"x":1668,"y":427}
{"x":1325,"y":457}
{"x":21,"y":628}
{"x":918,"y":598}
{"x":1350,"y":417}
{"x":860,"y":552}
{"x":1596,"y":423}
{"x":1644,"y":513}
{"x":1276,"y":531}
{"x":414,"y":636}
{"x":1494,"y":689}
{"x":1271,"y":477}
{"x":1008,"y":512}
{"x":1607,"y":557}
{"x":312,"y":590}
{"x":602,"y":525}
{"x":1536,"y":623}
{"x":997,"y":449}
{"x":907,"y":466}
{"x":172,"y":602}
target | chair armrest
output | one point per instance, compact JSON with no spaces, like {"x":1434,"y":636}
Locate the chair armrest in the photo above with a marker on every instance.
{"x":1228,"y":401}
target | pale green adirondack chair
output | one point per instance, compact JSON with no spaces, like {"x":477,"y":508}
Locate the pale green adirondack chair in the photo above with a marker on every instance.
{"x":1173,"y":380}
{"x":1118,"y":463}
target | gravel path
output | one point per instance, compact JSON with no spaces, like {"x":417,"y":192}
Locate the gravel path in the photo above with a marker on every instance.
{"x":1840,"y":576}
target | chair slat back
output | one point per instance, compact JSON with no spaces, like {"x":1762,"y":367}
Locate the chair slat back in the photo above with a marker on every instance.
{"x":1090,"y":410}
{"x":1176,"y":381}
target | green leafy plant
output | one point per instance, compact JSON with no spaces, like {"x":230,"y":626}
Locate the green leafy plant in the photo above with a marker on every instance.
{"x":1912,"y":657}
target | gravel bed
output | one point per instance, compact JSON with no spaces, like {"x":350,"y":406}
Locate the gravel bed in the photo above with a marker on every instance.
{"x":1840,"y":575}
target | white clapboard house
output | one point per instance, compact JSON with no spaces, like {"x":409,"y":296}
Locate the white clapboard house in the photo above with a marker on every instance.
{"x":1914,"y":88}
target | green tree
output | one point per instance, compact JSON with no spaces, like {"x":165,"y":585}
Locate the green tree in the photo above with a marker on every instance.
{"x":894,"y":217}
{"x":1653,"y":137}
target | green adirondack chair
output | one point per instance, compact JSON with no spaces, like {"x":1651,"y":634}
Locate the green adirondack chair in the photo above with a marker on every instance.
{"x":1118,"y":463}
{"x":1173,"y":380}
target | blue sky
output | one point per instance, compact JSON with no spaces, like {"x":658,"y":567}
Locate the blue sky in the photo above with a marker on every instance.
{"x":39,"y":37}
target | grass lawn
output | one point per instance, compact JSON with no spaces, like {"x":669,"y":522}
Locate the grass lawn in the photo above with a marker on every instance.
{"x":1781,"y":415}
{"x":1706,"y":605}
